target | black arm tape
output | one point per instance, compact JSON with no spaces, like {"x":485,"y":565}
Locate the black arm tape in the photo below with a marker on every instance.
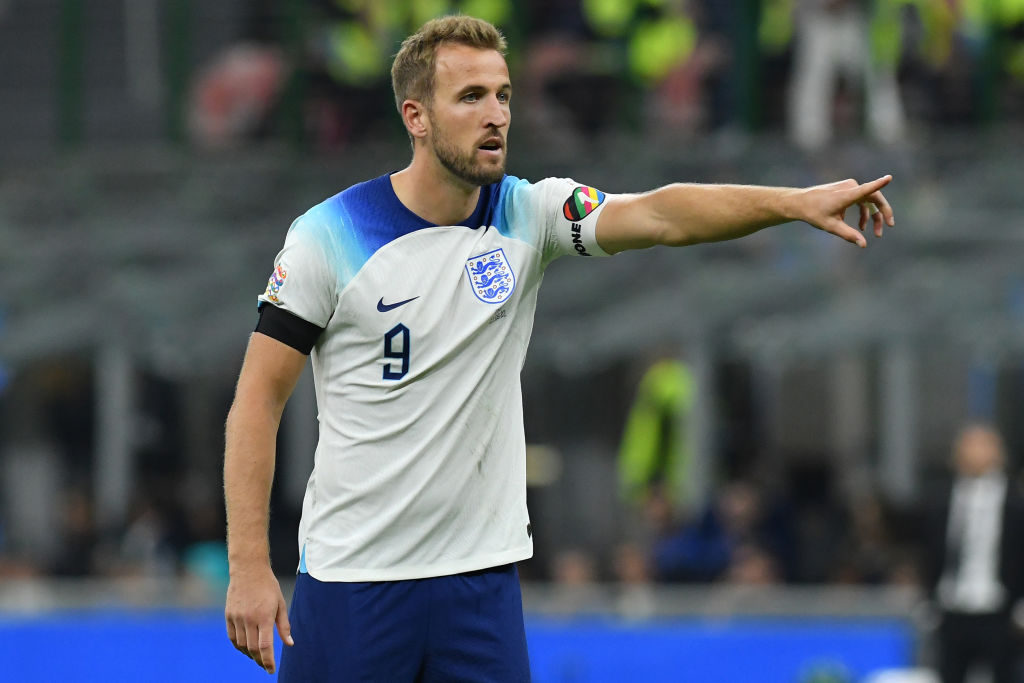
{"x":288,"y":328}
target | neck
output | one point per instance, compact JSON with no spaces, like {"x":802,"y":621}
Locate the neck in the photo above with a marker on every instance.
{"x":431,"y":192}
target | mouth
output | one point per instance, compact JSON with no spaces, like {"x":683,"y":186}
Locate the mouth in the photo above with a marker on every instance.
{"x":493,"y":145}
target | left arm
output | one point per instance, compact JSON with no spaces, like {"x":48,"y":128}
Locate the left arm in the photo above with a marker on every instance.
{"x":683,"y":214}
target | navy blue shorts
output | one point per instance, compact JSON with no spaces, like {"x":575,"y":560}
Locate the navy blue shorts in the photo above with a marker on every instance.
{"x":466,"y":627}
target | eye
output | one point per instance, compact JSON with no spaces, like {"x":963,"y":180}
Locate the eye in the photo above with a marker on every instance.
{"x":503,"y":97}
{"x":470,"y":97}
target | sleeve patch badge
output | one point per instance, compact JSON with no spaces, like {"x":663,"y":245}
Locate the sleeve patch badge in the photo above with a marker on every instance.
{"x":582,"y":202}
{"x":275,"y":284}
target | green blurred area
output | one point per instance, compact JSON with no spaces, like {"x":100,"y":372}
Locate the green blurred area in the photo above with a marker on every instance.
{"x":713,"y":65}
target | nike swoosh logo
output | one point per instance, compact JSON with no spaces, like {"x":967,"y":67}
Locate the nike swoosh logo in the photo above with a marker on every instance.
{"x":384,"y":308}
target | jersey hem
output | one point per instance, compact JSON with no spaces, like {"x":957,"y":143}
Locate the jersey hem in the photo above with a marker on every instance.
{"x":348,"y":574}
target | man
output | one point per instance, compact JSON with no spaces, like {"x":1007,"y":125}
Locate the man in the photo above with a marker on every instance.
{"x":418,"y":319}
{"x":975,"y":560}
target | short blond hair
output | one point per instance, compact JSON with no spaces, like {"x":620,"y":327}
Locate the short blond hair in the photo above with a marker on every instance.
{"x":412,"y":74}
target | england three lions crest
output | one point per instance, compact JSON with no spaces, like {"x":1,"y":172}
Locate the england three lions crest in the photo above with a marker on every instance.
{"x":491,"y":276}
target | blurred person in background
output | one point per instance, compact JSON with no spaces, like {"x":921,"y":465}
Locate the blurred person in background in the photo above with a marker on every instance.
{"x":833,"y":40}
{"x":632,"y":569}
{"x":974,"y":560}
{"x":570,"y":85}
{"x":415,"y":294}
{"x":347,"y":56}
{"x":654,"y":453}
{"x":145,"y":548}
{"x":574,"y":573}
{"x":869,"y":552}
{"x":658,"y":47}
{"x":821,"y":517}
{"x":204,"y":555}
{"x":734,"y":538}
{"x":234,"y":97}
{"x":751,"y":565}
{"x":78,"y":535}
{"x":592,"y":64}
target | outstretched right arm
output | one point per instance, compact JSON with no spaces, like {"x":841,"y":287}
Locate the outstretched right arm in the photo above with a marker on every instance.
{"x":254,"y":600}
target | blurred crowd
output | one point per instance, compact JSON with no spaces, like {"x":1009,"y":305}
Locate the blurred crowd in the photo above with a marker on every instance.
{"x":800,"y":526}
{"x":749,"y":534}
{"x":53,"y":524}
{"x":821,"y":70}
{"x":957,"y":544}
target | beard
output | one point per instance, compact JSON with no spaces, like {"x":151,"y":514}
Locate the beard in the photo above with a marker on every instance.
{"x":465,"y":166}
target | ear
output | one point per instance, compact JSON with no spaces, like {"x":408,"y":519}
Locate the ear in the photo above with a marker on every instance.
{"x":415,"y":118}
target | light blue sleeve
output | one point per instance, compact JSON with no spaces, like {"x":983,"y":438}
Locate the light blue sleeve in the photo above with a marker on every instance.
{"x":558,"y":216}
{"x":303,"y":281}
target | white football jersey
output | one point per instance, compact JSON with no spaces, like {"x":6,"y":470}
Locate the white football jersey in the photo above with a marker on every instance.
{"x":420,"y":466}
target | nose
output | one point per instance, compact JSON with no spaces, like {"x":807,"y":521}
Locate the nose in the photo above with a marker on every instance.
{"x":497,"y":114}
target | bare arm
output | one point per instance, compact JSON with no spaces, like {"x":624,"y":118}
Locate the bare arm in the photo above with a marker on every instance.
{"x":681,"y":214}
{"x":254,"y":601}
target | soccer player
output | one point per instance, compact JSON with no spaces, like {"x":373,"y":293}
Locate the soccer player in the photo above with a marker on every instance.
{"x":415,"y":293}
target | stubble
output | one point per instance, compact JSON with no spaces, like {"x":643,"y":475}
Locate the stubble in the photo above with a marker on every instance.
{"x":462,"y":165}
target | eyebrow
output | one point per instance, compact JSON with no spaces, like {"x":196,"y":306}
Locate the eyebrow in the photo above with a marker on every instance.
{"x":505,"y":87}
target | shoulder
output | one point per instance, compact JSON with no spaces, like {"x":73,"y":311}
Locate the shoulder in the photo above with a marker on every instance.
{"x":542,"y":195}
{"x":345,"y":213}
{"x":513,"y":184}
{"x":373,"y":192}
{"x":572,"y":199}
{"x":511,"y":205}
{"x":356,"y":202}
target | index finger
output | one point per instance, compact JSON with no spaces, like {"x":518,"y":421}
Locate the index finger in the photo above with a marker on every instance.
{"x":864,"y":191}
{"x":861,"y":192}
{"x":266,"y":645}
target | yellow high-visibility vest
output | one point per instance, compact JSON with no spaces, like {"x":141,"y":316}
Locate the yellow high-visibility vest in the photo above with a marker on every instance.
{"x":654,"y":45}
{"x":654,"y":444}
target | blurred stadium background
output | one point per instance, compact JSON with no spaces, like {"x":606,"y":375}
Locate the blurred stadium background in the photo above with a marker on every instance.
{"x":789,"y":399}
